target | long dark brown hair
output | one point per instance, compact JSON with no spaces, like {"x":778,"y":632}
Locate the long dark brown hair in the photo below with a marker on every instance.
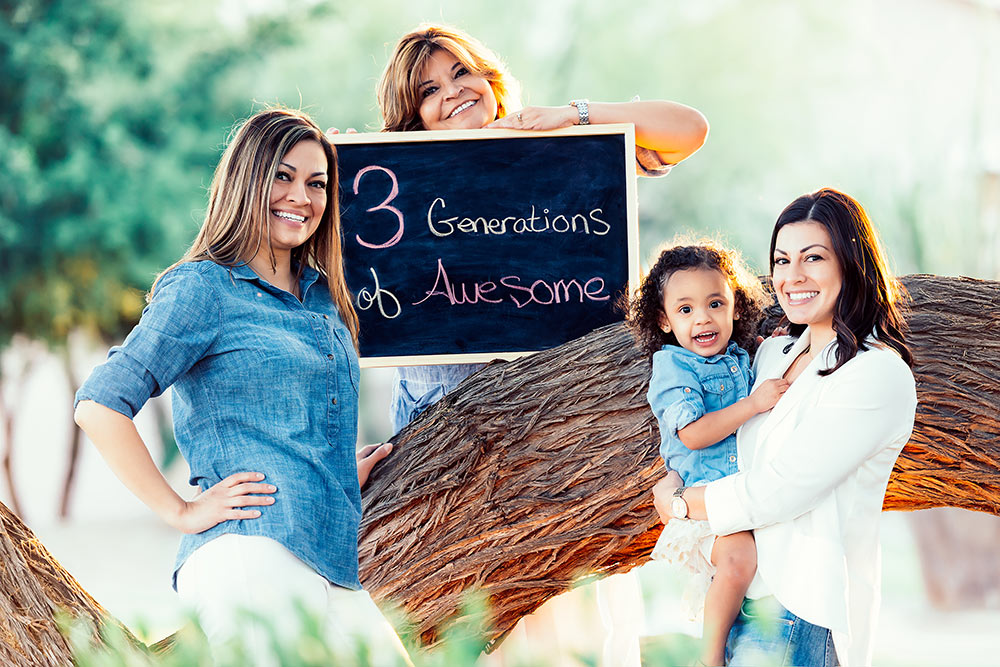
{"x":871,"y":299}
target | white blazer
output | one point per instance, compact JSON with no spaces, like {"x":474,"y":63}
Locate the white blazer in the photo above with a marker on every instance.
{"x":812,"y":483}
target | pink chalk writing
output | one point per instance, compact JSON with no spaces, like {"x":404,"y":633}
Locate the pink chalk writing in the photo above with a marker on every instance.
{"x":382,"y":207}
{"x":540,"y":292}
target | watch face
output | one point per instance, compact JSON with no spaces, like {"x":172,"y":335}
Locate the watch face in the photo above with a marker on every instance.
{"x":679,"y":508}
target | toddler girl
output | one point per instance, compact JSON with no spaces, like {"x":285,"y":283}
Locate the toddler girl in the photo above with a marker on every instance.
{"x":697,"y":313}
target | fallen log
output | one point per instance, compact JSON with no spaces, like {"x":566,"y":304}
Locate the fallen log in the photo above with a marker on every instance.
{"x":536,"y":473}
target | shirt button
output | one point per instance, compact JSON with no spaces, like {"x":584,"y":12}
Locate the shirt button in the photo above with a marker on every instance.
{"x":735,"y":369}
{"x":722,"y":387}
{"x":732,"y":459}
{"x":326,"y":317}
{"x":259,"y":294}
{"x":329,"y":356}
{"x":333,"y":400}
{"x":687,"y":390}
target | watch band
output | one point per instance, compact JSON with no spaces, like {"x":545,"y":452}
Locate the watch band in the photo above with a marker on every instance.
{"x":582,"y":110}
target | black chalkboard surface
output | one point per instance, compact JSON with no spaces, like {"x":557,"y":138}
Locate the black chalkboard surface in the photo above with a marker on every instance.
{"x":473,"y":245}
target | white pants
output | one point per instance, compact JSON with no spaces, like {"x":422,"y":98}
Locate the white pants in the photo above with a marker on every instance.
{"x":236,"y":577}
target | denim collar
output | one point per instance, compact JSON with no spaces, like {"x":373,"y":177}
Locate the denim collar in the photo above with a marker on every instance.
{"x":243,"y":271}
{"x":730,"y":351}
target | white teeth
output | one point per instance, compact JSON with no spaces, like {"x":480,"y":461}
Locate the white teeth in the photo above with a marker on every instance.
{"x":461,"y":107}
{"x":801,"y":296}
{"x":706,"y":335}
{"x":289,"y":216}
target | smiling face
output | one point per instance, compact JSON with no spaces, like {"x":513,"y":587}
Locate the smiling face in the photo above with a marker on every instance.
{"x":298,"y":196}
{"x":452,"y":97}
{"x":806,"y":274}
{"x":700,"y":307}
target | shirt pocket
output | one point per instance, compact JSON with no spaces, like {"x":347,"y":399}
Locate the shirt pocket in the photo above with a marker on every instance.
{"x":351,"y":356}
{"x":718,"y":391}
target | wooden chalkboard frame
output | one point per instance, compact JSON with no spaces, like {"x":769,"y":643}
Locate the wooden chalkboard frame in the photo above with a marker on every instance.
{"x":625,"y":130}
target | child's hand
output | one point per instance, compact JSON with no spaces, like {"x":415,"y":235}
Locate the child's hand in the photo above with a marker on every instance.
{"x":767,"y":394}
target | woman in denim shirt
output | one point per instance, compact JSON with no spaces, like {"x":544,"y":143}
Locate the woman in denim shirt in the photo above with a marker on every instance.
{"x":255,"y":330}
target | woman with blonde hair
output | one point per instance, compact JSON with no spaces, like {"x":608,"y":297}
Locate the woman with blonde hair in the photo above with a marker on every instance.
{"x":255,"y":331}
{"x":441,"y":78}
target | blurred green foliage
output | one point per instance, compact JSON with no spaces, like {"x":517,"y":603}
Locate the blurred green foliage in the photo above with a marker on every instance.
{"x":113,"y":115}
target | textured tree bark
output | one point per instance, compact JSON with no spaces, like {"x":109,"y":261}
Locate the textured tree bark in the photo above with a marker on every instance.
{"x":33,"y":587}
{"x":535,"y":473}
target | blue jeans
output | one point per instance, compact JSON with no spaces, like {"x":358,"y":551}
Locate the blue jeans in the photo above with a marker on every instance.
{"x":765,"y":633}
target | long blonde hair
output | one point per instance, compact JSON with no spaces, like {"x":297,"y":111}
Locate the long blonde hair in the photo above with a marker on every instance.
{"x":398,"y":90}
{"x":236,"y":222}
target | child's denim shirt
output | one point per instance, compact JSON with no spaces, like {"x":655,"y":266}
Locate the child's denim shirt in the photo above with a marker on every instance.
{"x":261,"y":382}
{"x":683,"y":388}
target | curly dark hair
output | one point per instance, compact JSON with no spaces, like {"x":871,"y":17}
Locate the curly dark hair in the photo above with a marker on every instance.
{"x":646,"y":309}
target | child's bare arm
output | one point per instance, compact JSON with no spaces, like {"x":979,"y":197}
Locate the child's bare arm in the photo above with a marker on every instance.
{"x":714,"y":426}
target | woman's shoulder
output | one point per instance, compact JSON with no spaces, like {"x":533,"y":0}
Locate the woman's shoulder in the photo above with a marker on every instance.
{"x":881,"y":361}
{"x":189,"y":282}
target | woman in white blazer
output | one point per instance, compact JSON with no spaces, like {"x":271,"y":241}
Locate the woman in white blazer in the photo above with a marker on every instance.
{"x":814,"y":469}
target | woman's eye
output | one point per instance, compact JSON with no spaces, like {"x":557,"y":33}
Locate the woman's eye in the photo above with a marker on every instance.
{"x":813,"y":258}
{"x":283,"y":176}
{"x":780,"y":260}
{"x":428,"y":91}
{"x":461,"y":71}
{"x":318,"y":184}
{"x":684,"y":309}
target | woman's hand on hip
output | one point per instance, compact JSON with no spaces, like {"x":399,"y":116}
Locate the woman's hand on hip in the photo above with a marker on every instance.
{"x":537,"y":118}
{"x":226,"y":501}
{"x":368,"y":456}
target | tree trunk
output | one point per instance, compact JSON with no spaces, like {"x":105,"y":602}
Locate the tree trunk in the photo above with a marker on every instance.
{"x":8,"y":411}
{"x":33,"y":586}
{"x":75,"y":439}
{"x":535,"y":473}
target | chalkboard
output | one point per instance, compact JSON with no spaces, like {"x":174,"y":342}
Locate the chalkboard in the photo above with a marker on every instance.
{"x":463,"y":246}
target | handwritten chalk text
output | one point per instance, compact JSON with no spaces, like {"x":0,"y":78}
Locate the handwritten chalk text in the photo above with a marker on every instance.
{"x":540,"y":292}
{"x":579,"y":223}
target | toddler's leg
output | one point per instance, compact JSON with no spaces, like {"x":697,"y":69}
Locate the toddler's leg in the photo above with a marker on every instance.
{"x":735,"y":559}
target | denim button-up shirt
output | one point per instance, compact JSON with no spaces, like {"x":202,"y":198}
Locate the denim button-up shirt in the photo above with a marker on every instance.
{"x":683,"y":388}
{"x":262,"y":382}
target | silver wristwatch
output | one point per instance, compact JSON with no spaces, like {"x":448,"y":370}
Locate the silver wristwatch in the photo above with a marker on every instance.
{"x":583,"y":109}
{"x":679,"y":506}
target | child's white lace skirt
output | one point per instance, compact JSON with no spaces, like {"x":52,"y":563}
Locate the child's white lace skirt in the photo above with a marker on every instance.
{"x":688,"y":545}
